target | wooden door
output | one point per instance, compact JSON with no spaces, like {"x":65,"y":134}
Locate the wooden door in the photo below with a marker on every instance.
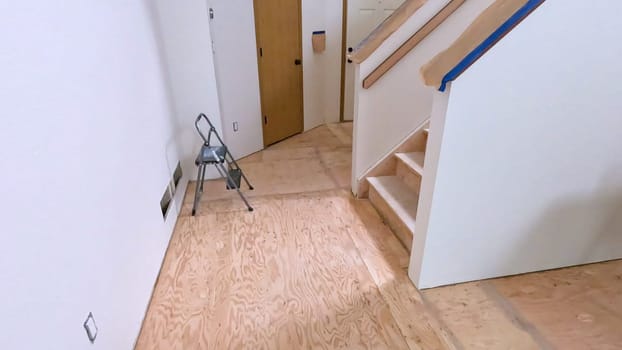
{"x":363,"y":17}
{"x":279,"y":52}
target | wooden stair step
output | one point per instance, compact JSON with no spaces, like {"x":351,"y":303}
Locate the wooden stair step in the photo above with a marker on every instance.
{"x":426,"y":130}
{"x":397,"y":204}
{"x":414,"y":160}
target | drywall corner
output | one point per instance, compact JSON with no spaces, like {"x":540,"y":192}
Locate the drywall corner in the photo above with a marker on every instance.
{"x":433,"y":152}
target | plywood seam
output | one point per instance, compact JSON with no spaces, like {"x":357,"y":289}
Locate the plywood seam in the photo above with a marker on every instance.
{"x":273,"y":195}
{"x":327,"y":169}
{"x":447,"y":332}
{"x":167,"y":256}
{"x":371,"y":274}
{"x":433,"y":322}
{"x":513,"y":315}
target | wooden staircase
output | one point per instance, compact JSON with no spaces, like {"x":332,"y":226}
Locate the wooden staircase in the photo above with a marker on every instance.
{"x":393,"y":184}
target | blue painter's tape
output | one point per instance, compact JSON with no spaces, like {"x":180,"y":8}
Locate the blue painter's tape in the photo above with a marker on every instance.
{"x":319,"y":32}
{"x":481,"y":49}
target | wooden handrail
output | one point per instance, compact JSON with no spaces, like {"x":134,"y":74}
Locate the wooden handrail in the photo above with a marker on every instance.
{"x":411,"y":43}
{"x":385,"y":29}
{"x":487,"y":29}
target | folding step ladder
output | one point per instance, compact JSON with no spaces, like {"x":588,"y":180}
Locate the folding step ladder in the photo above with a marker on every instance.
{"x":220,"y":157}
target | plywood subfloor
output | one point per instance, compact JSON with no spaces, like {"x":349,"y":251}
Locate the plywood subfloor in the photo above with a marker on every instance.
{"x":312,"y":268}
{"x":285,"y":276}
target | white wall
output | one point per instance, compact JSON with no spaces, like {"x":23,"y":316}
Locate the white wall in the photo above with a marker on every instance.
{"x":87,"y":150}
{"x":529,"y":170}
{"x":187,"y":45}
{"x":313,"y":79}
{"x":321,"y":71}
{"x":399,"y":102}
{"x":332,"y":60}
{"x":235,"y":55}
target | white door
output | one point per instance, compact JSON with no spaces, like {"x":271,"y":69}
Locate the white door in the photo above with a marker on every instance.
{"x":232,"y":26}
{"x":363,"y":17}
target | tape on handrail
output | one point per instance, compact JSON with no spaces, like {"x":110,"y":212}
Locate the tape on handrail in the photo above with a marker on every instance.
{"x":481,"y":49}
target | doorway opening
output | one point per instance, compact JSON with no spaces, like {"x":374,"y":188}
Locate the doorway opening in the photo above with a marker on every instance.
{"x":360,"y":18}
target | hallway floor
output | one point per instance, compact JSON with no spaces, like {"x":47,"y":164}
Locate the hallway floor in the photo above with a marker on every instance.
{"x":312,"y":267}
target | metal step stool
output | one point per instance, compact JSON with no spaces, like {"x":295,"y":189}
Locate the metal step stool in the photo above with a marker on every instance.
{"x":220,"y":157}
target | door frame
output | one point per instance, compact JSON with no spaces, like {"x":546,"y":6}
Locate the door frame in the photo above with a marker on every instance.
{"x":344,"y":37}
{"x":259,"y":74}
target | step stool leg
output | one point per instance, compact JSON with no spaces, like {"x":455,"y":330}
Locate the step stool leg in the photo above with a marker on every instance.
{"x":198,"y":189}
{"x":203,"y":177}
{"x":246,"y":180}
{"x":230,"y":180}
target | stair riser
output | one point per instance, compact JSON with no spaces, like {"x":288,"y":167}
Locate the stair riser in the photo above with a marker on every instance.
{"x":388,"y":167}
{"x":417,"y":142}
{"x":409,"y":176}
{"x":402,"y":232}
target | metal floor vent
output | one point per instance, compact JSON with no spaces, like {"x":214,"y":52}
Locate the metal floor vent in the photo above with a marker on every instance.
{"x":170,"y":190}
{"x":165,"y":202}
{"x":177,"y":175}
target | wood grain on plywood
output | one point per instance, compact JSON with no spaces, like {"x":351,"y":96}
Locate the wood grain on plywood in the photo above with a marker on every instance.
{"x":273,"y":177}
{"x":286,"y":276}
{"x":385,"y":29}
{"x":573,"y":308}
{"x":321,"y":270}
{"x":317,"y":160}
{"x":476,"y":319}
{"x":338,"y":163}
{"x":481,"y":28}
{"x":320,"y":136}
{"x":343,"y":131}
{"x":386,"y":260}
{"x":411,"y":43}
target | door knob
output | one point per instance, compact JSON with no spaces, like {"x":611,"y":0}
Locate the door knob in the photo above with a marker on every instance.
{"x":297,"y":61}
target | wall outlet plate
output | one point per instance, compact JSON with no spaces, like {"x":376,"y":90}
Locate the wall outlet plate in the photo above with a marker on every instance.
{"x":235,"y":126}
{"x":91,"y":328}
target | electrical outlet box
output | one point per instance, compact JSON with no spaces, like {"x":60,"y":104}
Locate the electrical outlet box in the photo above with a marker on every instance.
{"x":235,"y":126}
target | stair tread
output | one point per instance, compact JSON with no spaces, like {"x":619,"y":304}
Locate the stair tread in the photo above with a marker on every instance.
{"x":398,"y":196}
{"x":426,"y":130}
{"x":413,"y":160}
